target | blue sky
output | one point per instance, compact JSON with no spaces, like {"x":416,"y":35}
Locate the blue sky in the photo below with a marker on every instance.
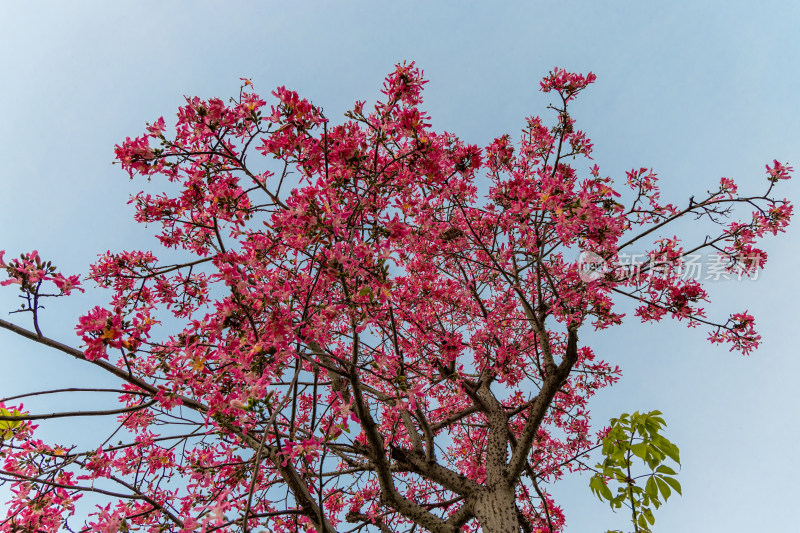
{"x":694,"y":90}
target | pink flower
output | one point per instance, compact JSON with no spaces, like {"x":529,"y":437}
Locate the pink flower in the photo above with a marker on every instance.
{"x":779,"y":171}
{"x":237,"y":404}
{"x":727,"y":185}
{"x":66,"y":284}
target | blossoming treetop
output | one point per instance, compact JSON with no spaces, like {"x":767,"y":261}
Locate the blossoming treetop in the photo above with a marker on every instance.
{"x":349,"y":337}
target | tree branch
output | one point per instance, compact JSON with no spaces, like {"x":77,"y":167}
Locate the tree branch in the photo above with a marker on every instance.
{"x":550,"y":386}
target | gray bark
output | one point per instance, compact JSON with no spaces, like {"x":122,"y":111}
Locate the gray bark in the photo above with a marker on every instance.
{"x":496,"y":510}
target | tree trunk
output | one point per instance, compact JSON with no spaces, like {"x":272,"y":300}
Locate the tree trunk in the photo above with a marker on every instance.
{"x":496,"y":510}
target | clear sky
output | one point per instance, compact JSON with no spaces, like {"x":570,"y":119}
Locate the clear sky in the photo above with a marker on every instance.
{"x":696,"y":90}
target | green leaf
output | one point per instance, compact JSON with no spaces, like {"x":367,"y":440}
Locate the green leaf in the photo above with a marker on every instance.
{"x":657,"y":503}
{"x":655,"y":418}
{"x":619,"y":500}
{"x":605,"y":492}
{"x":618,"y":456}
{"x":663,"y":469}
{"x":7,"y":426}
{"x":366,"y":291}
{"x":663,"y":487}
{"x":594,"y":485}
{"x":651,"y":488}
{"x":599,"y":487}
{"x":610,"y":471}
{"x":653,"y":461}
{"x":671,"y":450}
{"x":640,"y":450}
{"x":673,"y":483}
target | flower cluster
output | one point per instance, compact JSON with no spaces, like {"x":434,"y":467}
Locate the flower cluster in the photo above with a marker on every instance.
{"x":30,"y":272}
{"x":567,"y":84}
{"x":739,"y":331}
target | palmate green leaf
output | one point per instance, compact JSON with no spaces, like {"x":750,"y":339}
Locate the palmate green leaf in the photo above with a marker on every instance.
{"x":7,"y":426}
{"x":655,"y":418}
{"x":670,"y":450}
{"x":634,"y":443}
{"x":662,"y":487}
{"x":599,"y":487}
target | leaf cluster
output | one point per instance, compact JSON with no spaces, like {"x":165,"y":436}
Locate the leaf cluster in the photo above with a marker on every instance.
{"x":8,"y":427}
{"x":634,"y":443}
